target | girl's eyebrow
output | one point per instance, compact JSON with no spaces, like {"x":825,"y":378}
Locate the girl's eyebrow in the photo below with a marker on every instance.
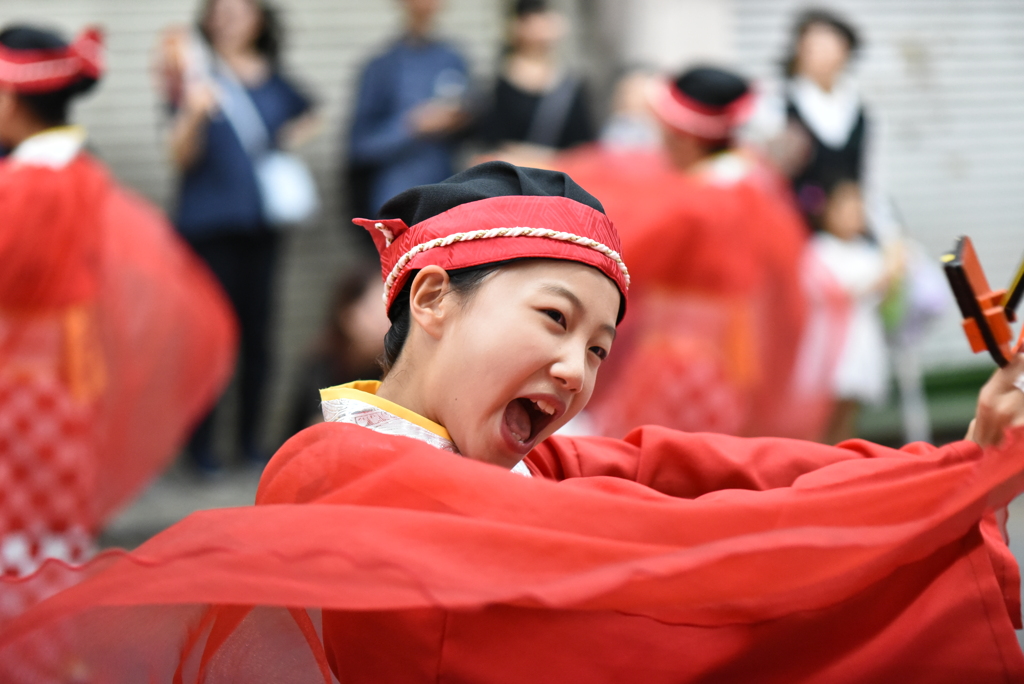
{"x":576,"y":303}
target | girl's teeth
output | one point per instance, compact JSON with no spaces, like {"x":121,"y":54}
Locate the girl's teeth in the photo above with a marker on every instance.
{"x":545,"y":407}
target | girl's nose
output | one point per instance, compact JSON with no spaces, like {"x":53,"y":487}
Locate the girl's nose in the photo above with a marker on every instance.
{"x":571,"y":369}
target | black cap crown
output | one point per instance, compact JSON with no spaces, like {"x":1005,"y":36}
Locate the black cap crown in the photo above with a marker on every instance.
{"x":712,"y":86}
{"x":491,"y":179}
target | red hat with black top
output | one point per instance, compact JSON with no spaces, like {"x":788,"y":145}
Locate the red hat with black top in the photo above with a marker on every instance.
{"x":50,"y":69}
{"x":705,"y":102}
{"x":490,"y":213}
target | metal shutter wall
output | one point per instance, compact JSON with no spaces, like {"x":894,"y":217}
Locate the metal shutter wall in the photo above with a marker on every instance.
{"x":944,"y":77}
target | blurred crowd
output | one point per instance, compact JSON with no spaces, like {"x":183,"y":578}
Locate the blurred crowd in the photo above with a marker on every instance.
{"x":771,"y":279}
{"x":751,"y":329}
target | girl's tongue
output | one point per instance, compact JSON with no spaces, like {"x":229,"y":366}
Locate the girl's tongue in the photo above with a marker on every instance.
{"x":517,"y":418}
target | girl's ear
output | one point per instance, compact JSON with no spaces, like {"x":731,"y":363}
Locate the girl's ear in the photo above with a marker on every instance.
{"x":428,"y":304}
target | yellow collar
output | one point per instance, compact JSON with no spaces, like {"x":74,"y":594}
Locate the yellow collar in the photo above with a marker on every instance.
{"x":366,"y":392}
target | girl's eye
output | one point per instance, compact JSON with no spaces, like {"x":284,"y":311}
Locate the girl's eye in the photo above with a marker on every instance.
{"x":600,"y":352}
{"x":556,"y":315}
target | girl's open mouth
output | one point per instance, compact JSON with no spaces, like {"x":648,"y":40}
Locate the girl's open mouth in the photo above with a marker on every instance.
{"x":526,"y":418}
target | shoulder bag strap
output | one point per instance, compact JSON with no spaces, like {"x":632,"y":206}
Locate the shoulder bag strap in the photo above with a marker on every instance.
{"x":552,"y":111}
{"x":237,"y":106}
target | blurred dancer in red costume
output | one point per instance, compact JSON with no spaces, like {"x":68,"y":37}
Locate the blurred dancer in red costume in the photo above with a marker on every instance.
{"x":113,"y":339}
{"x":720,"y":337}
{"x":434,"y":529}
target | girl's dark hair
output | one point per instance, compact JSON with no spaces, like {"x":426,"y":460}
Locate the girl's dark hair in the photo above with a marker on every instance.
{"x":823,"y":17}
{"x":463,"y":282}
{"x":517,"y":9}
{"x":522,"y":8}
{"x":51,"y":109}
{"x":268,"y":41}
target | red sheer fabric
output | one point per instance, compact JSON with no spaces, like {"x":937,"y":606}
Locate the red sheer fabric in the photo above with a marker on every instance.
{"x":113,"y":341}
{"x":722,"y":301}
{"x":666,"y":557}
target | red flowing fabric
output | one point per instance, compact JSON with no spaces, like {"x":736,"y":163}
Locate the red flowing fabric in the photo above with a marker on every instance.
{"x":722,"y":301}
{"x":665,"y":557}
{"x":114,"y":339}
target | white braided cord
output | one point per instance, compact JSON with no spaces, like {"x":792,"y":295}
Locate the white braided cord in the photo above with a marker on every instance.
{"x":518,"y":231}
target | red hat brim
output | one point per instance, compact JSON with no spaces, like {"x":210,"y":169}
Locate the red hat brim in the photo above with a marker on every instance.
{"x":498,"y":229}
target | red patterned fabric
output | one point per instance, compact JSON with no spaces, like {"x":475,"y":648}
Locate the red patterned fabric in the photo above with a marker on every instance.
{"x":719,"y":333}
{"x":114,"y":339}
{"x":666,"y":557}
{"x":47,"y":474}
{"x":394,"y":239}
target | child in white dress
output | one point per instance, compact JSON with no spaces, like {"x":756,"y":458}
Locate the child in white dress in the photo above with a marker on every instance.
{"x":865,"y":272}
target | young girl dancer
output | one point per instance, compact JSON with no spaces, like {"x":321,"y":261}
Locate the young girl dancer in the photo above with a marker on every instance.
{"x":392,"y":543}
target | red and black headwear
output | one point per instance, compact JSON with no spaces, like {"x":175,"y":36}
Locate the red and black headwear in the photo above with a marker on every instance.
{"x":45,"y":70}
{"x":491,"y":213}
{"x":705,"y":102}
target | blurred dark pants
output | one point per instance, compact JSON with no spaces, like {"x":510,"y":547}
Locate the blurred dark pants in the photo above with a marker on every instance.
{"x":244,"y":264}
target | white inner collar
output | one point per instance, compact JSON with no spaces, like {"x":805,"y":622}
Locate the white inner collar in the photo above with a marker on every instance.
{"x":830,"y":115}
{"x":53,"y":148}
{"x":347,"y":410}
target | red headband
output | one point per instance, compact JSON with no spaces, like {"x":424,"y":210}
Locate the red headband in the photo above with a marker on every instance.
{"x":498,"y":229}
{"x":683,"y":113}
{"x":46,"y":71}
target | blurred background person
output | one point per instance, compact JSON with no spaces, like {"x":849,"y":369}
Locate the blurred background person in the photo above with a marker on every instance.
{"x":815,"y":125}
{"x":866,"y":274}
{"x":219,"y":208}
{"x":718,"y":309}
{"x":348,"y":348}
{"x":409,"y":106}
{"x":819,"y":132}
{"x":538,"y":106}
{"x":631,"y":125}
{"x":114,"y":339}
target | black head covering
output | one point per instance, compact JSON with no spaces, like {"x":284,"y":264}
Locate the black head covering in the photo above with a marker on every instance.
{"x":830,"y":19}
{"x":31,"y":38}
{"x":491,"y":179}
{"x":524,"y":7}
{"x":712,"y":86}
{"x":819,"y":16}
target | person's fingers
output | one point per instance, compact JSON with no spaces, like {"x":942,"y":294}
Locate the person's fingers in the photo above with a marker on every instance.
{"x":1015,"y":408}
{"x":970,"y":430}
{"x":1000,"y":403}
{"x":1006,"y":411}
{"x":1010,"y":375}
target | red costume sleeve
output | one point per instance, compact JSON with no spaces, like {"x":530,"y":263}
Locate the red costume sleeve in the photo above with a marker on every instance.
{"x":114,"y":339}
{"x":690,"y":465}
{"x":170,"y":341}
{"x":867,"y":569}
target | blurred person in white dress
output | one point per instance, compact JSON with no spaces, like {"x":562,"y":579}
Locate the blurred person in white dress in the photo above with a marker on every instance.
{"x":865,"y":271}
